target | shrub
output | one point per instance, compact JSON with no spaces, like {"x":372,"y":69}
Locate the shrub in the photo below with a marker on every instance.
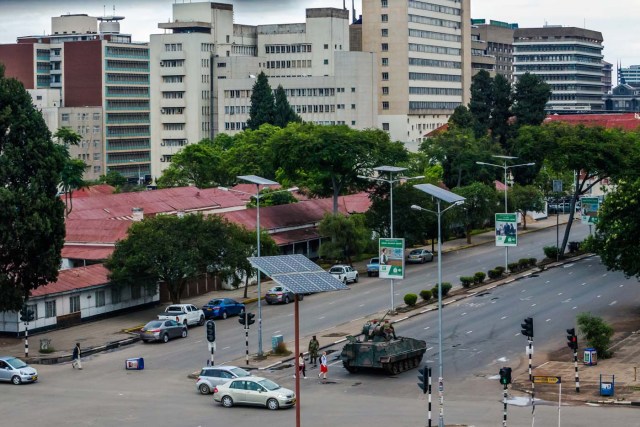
{"x":596,"y":332}
{"x":446,"y":287}
{"x":494,"y":273}
{"x":425,"y":295}
{"x":500,"y":269}
{"x":533,"y":262}
{"x":479,"y":277}
{"x":523,"y":262}
{"x":466,"y":281}
{"x":513,"y":266}
{"x":551,"y":252}
{"x":410,"y":299}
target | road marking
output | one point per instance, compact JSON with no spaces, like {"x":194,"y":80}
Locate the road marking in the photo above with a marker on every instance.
{"x":503,"y":317}
{"x":199,"y":341}
{"x":463,"y":314}
{"x":583,"y":284}
{"x":548,"y":281}
{"x":614,"y":303}
{"x":277,"y":332}
{"x":533,"y":305}
{"x":518,"y":334}
{"x":468,"y":332}
{"x":621,"y":286}
{"x":560,"y":294}
{"x":548,"y":320}
{"x":224,"y":348}
{"x":321,"y":317}
{"x":361,"y":305}
{"x":524,"y":290}
{"x":574,"y":307}
{"x":598,"y":296}
{"x":427,"y":328}
{"x":429,"y":349}
{"x":567,"y":300}
{"x":604,"y":275}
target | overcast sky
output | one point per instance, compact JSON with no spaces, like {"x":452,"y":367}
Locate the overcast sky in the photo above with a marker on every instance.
{"x":616,"y":19}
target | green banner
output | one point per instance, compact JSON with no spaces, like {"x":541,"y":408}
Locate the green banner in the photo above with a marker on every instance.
{"x":391,"y":258}
{"x":506,"y":229}
{"x":589,"y":207}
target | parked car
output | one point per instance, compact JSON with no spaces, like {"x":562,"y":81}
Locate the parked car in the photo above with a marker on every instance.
{"x":187,"y":314}
{"x":222,"y":308}
{"x":373,"y":268}
{"x":419,"y":256}
{"x":281,"y":294}
{"x":163,"y":330}
{"x":344,"y":273}
{"x":15,"y":370}
{"x":212,"y":376}
{"x":255,"y":391}
{"x":555,"y":208}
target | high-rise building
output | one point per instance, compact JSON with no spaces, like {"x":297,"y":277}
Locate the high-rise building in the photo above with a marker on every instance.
{"x":569,"y":59}
{"x":492,"y":47}
{"x":102,"y":81}
{"x":629,"y":75}
{"x":204,"y":67}
{"x":423,"y":51}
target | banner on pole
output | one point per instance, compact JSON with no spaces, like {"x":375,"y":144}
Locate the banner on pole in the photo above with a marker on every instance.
{"x":506,"y":229}
{"x":391,"y":258}
{"x":589,"y":207}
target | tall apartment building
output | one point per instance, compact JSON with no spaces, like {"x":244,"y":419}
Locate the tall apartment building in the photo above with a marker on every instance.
{"x":423,"y":51}
{"x":204,"y":67}
{"x":102,"y":81}
{"x":629,"y":75}
{"x":569,"y":59}
{"x":492,"y":47}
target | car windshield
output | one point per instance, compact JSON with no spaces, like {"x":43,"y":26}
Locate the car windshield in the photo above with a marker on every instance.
{"x":337,"y":270}
{"x":154,"y":324}
{"x":239,"y":372}
{"x":269,"y":385}
{"x":215,"y":302}
{"x":415,"y":252}
{"x":375,"y":260}
{"x":16,"y":363}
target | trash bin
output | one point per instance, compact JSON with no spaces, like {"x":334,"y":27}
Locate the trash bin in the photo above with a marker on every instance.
{"x":607,"y":388}
{"x":590,"y":356}
{"x":275,"y":341}
{"x":45,"y":344}
{"x":134,"y":364}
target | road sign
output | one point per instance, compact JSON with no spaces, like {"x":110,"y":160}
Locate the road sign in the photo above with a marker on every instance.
{"x":542,"y":379}
{"x":391,"y":258}
{"x":557,"y":186}
{"x":589,"y":207}
{"x":506,"y":229}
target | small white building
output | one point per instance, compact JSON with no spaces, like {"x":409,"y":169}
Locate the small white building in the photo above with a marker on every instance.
{"x":78,"y":295}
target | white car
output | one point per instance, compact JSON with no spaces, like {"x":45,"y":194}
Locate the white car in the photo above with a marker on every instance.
{"x":255,"y":391}
{"x":344,"y":273}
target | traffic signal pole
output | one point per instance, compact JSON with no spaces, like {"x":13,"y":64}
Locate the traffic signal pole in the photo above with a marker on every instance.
{"x":572,"y":343}
{"x":504,"y":409}
{"x":26,"y":340}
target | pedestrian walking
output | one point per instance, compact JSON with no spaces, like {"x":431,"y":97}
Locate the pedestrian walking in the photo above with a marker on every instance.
{"x":314,"y":346}
{"x":77,"y":363}
{"x":301,"y":366}
{"x":323,"y":366}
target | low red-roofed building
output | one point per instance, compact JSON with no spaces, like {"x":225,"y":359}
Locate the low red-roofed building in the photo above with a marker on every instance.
{"x":625,"y":121}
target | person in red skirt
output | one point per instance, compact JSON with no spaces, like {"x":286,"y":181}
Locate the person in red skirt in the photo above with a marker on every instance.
{"x":323,"y":366}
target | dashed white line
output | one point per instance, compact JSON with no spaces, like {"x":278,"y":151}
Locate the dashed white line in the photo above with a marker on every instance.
{"x":621,"y":286}
{"x":427,"y":328}
{"x":573,"y":308}
{"x":503,"y":317}
{"x":361,"y":305}
{"x":468,"y":332}
{"x":598,"y":296}
{"x":559,"y":293}
{"x":429,"y":348}
{"x":613,"y":303}
{"x":224,"y":348}
{"x":321,"y":317}
{"x":583,"y":284}
{"x":524,"y":290}
{"x":463,"y":314}
{"x":533,"y":305}
{"x":548,"y":320}
{"x":276,"y":332}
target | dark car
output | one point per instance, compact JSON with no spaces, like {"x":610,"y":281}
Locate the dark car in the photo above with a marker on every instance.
{"x":419,"y":255}
{"x":162,"y":330}
{"x":222,"y":308}
{"x":281,"y":294}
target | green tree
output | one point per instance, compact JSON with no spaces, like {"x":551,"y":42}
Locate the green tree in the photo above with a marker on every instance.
{"x":526,"y":198}
{"x":198,"y":164}
{"x":326,"y":160}
{"x":461,"y":118}
{"x":617,"y":235}
{"x":596,"y":332}
{"x":530,"y":98}
{"x":284,"y":114}
{"x":481,"y":102}
{"x":31,"y":215}
{"x":249,"y":153}
{"x":502,"y":101}
{"x":73,"y":171}
{"x":348,"y":235}
{"x":114,"y":179}
{"x":262,"y":108}
{"x":480,"y":204}
{"x":170,"y":249}
{"x":273,"y":197}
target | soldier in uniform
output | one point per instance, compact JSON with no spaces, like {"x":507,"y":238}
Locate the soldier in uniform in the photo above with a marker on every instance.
{"x":314,"y":346}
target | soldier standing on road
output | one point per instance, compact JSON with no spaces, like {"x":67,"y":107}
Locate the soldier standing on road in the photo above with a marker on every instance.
{"x":314,"y":346}
{"x":77,"y":363}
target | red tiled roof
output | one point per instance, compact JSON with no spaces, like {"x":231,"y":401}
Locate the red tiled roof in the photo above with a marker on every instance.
{"x":94,"y":190}
{"x":625,"y":121}
{"x":94,"y":253}
{"x":74,"y":279}
{"x":294,"y":236}
{"x":96,"y":230}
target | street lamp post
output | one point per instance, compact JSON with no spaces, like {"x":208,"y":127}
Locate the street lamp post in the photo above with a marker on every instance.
{"x":258,"y":181}
{"x":391,"y":170}
{"x":506,"y":187}
{"x":439,"y":195}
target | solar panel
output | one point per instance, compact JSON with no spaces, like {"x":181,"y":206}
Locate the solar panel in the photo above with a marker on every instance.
{"x":297,"y":273}
{"x":389,"y":169}
{"x":440,"y":193}
{"x":255,"y":179}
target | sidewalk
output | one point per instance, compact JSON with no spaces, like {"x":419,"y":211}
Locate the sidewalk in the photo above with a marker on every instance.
{"x":112,"y":332}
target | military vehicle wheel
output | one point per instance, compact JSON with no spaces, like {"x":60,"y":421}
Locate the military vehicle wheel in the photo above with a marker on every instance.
{"x":394,"y":368}
{"x":350,"y":369}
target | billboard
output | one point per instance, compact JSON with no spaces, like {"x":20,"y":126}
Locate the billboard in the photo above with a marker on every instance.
{"x":506,"y":229}
{"x":589,"y":207}
{"x":391,"y":258}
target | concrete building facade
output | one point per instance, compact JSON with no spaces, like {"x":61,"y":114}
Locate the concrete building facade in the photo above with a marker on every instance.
{"x":423,"y":51}
{"x":492,"y":47}
{"x":569,"y":59}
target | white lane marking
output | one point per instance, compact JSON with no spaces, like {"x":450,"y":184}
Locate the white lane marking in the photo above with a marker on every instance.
{"x":524,"y":290}
{"x":502,"y":359}
{"x":224,"y":348}
{"x":427,"y":328}
{"x":560,"y":294}
{"x":604,"y":275}
{"x":289,"y":315}
{"x":463,"y":314}
{"x":321,"y":317}
{"x":548,"y":320}
{"x":548,"y":281}
{"x":566,"y":301}
{"x":503,"y":317}
{"x":199,"y":341}
{"x":598,"y":296}
{"x":573,"y":308}
{"x":518,"y":334}
{"x":429,"y":348}
{"x":277,"y":332}
{"x":583,"y":284}
{"x":361,"y":305}
{"x":614,"y":303}
{"x":332,"y":302}
{"x":621,"y":286}
{"x":533,"y":305}
{"x":468,"y":332}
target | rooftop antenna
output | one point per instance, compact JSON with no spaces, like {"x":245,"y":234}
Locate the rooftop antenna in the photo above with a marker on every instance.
{"x":353,"y":12}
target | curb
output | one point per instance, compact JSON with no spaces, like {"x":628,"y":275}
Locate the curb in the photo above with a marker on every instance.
{"x":85,"y":352}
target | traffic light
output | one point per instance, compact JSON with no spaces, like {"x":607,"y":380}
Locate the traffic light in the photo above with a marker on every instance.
{"x":26,"y":314}
{"x":505,"y":376}
{"x":423,"y":377}
{"x":572,"y":339}
{"x":527,"y":327}
{"x":242,"y":318}
{"x":250,"y":317}
{"x":211,"y":331}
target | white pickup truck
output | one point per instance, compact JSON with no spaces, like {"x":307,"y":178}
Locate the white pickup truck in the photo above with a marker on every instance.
{"x":186,"y":314}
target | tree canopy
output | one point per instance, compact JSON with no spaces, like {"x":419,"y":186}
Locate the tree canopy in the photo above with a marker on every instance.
{"x":32,"y":215}
{"x":262,"y":108}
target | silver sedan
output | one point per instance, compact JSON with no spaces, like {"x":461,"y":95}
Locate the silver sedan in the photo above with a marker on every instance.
{"x":255,"y":391}
{"x":162,"y":330}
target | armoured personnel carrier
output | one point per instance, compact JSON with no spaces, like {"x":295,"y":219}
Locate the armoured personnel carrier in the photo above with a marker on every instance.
{"x":380,"y":348}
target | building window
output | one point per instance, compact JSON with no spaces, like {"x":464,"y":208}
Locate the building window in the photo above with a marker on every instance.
{"x":49,"y":309}
{"x":385,"y":62}
{"x":353,"y":90}
{"x":385,"y":47}
{"x":385,"y":105}
{"x":65,"y":117}
{"x":384,"y":17}
{"x":74,"y":304}
{"x":385,"y":76}
{"x":326,"y":62}
{"x":384,"y":32}
{"x":385,"y":90}
{"x":384,"y":3}
{"x":116,"y":295}
{"x":385,"y":127}
{"x":99,"y":298}
{"x":326,"y":46}
{"x":353,"y":106}
{"x":353,"y":122}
